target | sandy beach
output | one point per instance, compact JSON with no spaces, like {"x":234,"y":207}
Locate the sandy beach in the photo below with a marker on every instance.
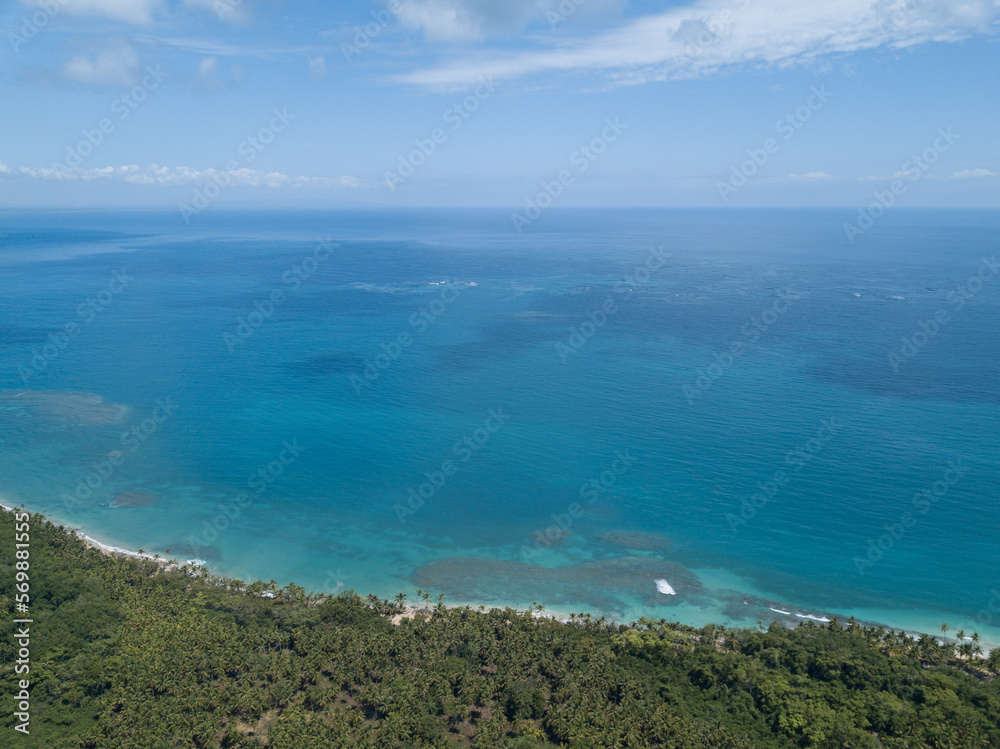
{"x":412,"y":610}
{"x":8,"y":506}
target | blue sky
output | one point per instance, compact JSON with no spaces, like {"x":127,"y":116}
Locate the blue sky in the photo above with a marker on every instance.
{"x":485,"y":102}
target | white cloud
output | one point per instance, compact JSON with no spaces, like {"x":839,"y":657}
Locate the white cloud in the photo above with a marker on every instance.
{"x":208,"y":74}
{"x":215,"y":48}
{"x":810,"y":176}
{"x":345,"y":181}
{"x":138,"y":12}
{"x":973,"y":173}
{"x":713,"y":34}
{"x":233,"y":11}
{"x":894,"y":175}
{"x":207,"y":67}
{"x":461,"y":20}
{"x":317,"y":67}
{"x":179,"y":175}
{"x":452,"y":20}
{"x":115,"y":66}
{"x":211,"y":76}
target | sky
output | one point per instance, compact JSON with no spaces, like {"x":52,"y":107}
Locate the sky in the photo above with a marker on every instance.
{"x":725,"y":103}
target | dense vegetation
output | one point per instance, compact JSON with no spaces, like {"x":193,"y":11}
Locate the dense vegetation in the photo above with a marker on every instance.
{"x":125,"y":654}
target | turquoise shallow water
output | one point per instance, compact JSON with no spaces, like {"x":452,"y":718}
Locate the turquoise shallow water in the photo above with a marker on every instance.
{"x":567,"y":402}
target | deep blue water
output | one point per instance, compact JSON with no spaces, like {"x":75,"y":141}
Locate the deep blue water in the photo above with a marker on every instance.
{"x":597,"y":354}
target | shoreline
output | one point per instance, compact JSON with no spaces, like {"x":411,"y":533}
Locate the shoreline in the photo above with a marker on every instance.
{"x":411,"y":610}
{"x":414,"y":609}
{"x":109,"y":549}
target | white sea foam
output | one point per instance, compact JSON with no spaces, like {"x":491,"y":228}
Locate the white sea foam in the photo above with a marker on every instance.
{"x":779,"y":611}
{"x":664,"y":587}
{"x":113,"y":549}
{"x":196,"y":562}
{"x":814,"y":618}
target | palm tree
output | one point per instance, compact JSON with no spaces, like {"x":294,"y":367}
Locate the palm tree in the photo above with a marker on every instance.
{"x":994,"y":660}
{"x":944,"y":627}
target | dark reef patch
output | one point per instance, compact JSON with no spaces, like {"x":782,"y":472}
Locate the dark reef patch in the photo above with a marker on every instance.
{"x":208,"y":553}
{"x":636,"y":541}
{"x":133,"y":499}
{"x":320,"y":365}
{"x":604,"y":584}
{"x":73,"y":408}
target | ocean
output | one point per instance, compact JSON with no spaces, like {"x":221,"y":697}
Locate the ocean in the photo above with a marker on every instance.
{"x":699,"y":415}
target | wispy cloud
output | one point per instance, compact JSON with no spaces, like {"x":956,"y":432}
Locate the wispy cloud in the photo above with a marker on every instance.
{"x":179,"y":175}
{"x":137,"y":12}
{"x":208,"y":69}
{"x":973,"y":174}
{"x":216,"y":48}
{"x":894,"y":175}
{"x":466,"y":20}
{"x":113,"y":66}
{"x":144,"y":12}
{"x":451,"y":20}
{"x":234,"y":11}
{"x":712,"y":35}
{"x":810,"y":176}
{"x":317,"y":67}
